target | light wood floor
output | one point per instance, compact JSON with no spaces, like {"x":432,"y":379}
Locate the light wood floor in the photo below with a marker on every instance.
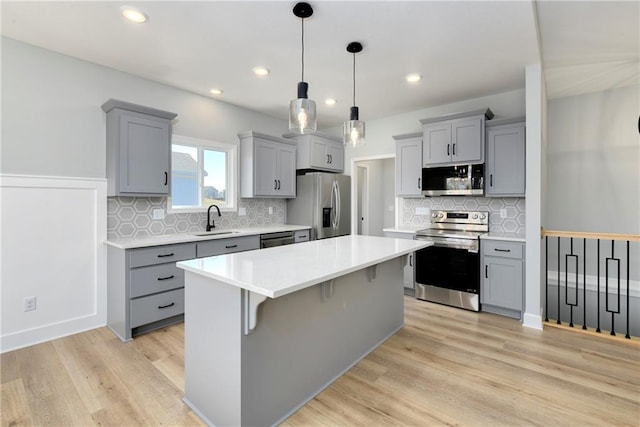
{"x":446,"y":366}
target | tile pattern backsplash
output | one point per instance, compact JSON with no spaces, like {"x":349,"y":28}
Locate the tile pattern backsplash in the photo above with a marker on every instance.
{"x":515,"y":210}
{"x":133,"y":217}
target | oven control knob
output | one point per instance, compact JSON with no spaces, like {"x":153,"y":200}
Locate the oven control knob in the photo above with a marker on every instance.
{"x":440,"y":215}
{"x":475,"y":216}
{"x":483,"y":216}
{"x":434,"y":214}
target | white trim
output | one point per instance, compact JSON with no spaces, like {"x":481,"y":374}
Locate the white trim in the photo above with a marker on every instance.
{"x":532,"y":321}
{"x":48,"y":322}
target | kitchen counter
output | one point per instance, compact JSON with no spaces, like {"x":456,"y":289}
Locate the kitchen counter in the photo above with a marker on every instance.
{"x":502,"y":235}
{"x":266,"y":331}
{"x":168,"y":239}
{"x":281,"y":270}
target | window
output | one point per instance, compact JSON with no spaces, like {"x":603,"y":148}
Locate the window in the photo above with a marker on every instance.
{"x":203,"y":172}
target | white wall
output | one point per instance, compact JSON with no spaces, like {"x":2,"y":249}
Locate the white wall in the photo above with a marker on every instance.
{"x":594,"y":162}
{"x":53,"y":126}
{"x":52,"y":123}
{"x":389,"y":192}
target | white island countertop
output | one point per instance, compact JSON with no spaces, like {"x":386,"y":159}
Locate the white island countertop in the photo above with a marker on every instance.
{"x":279,"y":271}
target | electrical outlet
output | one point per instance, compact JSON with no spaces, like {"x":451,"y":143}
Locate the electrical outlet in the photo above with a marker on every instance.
{"x":503,"y":213}
{"x":421,"y":210}
{"x":158,"y":214}
{"x":242,"y":211}
{"x":270,"y":210}
{"x":29,"y":303}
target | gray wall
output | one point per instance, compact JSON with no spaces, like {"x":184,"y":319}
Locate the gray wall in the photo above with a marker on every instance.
{"x":593,"y":162}
{"x":52,"y":123}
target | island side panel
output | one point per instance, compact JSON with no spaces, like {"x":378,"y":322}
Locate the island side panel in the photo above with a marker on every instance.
{"x":213,"y":329}
{"x":301,"y":343}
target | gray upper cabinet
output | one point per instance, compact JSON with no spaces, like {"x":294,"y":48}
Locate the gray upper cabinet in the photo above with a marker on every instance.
{"x":138,"y":149}
{"x":408,"y":165}
{"x":318,"y":152}
{"x":505,"y":174}
{"x":267,"y":166}
{"x":454,"y":139}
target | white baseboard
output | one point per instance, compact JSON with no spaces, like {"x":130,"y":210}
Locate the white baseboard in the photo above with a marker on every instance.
{"x":533,"y":321}
{"x":52,"y":246}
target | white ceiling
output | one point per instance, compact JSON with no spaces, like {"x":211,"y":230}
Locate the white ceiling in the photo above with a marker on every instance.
{"x":464,"y":49}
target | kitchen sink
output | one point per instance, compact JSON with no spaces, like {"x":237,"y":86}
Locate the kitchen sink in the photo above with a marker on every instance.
{"x":213,"y":233}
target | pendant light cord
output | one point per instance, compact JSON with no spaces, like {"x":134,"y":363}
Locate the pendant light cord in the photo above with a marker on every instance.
{"x":354,"y":79}
{"x":302,"y":49}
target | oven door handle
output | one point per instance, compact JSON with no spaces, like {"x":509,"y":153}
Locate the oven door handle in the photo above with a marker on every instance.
{"x":468,"y":245}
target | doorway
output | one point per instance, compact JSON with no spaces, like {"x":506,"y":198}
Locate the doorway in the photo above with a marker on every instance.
{"x":374,"y":205}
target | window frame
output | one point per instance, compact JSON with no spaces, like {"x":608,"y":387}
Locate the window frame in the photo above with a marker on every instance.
{"x":200,"y":144}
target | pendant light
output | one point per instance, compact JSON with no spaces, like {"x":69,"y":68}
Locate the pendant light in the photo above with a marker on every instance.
{"x":354,"y":128}
{"x":302,"y":111}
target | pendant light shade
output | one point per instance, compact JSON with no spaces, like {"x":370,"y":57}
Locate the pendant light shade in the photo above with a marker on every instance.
{"x":354,"y":127}
{"x":302,"y":110}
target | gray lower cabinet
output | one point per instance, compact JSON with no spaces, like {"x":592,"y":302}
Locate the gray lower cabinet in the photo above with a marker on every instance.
{"x":409,"y":272}
{"x":502,"y":264}
{"x":145,"y":288}
{"x":505,"y":167}
{"x":138,"y":150}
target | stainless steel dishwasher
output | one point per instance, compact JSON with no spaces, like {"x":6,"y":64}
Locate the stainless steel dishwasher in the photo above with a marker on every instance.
{"x":276,"y":239}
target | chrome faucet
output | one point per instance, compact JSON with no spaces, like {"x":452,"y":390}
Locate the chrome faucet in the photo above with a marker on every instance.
{"x":211,"y":223}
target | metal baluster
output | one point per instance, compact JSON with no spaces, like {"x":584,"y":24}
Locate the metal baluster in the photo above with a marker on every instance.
{"x":584,"y":283}
{"x":558,"y":282}
{"x":546,"y":269}
{"x":566,"y":282}
{"x":627,"y":336}
{"x":598,"y":257}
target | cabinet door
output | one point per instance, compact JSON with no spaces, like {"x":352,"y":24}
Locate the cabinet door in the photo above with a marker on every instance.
{"x":505,"y":161}
{"x":144,"y":155}
{"x":319,"y":157}
{"x":467,"y":141}
{"x":286,"y":175}
{"x":409,"y":167}
{"x":437,"y":144}
{"x":264,"y":165}
{"x":409,"y":275}
{"x":502,"y":283}
{"x":336,"y":156}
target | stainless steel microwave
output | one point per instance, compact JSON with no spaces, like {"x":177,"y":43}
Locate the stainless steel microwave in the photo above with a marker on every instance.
{"x":461,"y":180}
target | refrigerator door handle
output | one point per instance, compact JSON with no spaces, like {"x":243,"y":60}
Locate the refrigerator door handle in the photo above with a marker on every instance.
{"x":334,"y":204}
{"x":338,"y":204}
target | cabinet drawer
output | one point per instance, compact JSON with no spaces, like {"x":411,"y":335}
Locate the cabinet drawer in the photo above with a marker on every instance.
{"x":502,"y":249}
{"x":301,"y":236}
{"x":155,"y":278}
{"x":227,"y":246}
{"x":162,"y":254}
{"x":156,"y":307}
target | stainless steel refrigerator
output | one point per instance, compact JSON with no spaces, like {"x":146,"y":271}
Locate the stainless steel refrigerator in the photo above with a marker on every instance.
{"x":323,"y":202}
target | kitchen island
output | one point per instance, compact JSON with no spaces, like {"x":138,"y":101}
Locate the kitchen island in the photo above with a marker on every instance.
{"x":265,"y":331}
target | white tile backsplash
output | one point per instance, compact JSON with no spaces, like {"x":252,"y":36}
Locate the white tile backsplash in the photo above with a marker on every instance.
{"x":415,"y":212}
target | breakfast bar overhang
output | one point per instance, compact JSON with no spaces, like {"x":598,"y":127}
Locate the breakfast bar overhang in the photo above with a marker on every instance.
{"x":266,"y":331}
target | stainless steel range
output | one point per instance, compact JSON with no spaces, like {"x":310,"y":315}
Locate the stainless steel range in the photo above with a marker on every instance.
{"x":449,"y":271}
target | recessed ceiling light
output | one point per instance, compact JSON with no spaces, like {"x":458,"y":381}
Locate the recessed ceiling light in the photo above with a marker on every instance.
{"x":261,"y":71}
{"x":413,"y":78}
{"x":134,"y":15}
{"x":215,"y":91}
{"x":330,"y":101}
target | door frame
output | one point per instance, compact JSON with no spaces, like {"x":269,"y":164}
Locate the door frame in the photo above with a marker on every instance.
{"x":365,"y":199}
{"x":354,"y":187}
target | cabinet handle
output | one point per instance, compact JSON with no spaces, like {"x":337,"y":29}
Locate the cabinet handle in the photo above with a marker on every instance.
{"x":491,"y":180}
{"x":331,"y":158}
{"x":501,"y":250}
{"x":410,"y":260}
{"x":327,"y":158}
{"x":454,"y":148}
{"x":167,"y":306}
{"x":419,"y":183}
{"x":448,"y":153}
{"x":278,"y":184}
{"x":302,"y":237}
{"x":486,"y":271}
{"x":231,"y":246}
{"x":275,"y":184}
{"x":166,"y":178}
{"x":166,"y":278}
{"x":165,"y":255}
